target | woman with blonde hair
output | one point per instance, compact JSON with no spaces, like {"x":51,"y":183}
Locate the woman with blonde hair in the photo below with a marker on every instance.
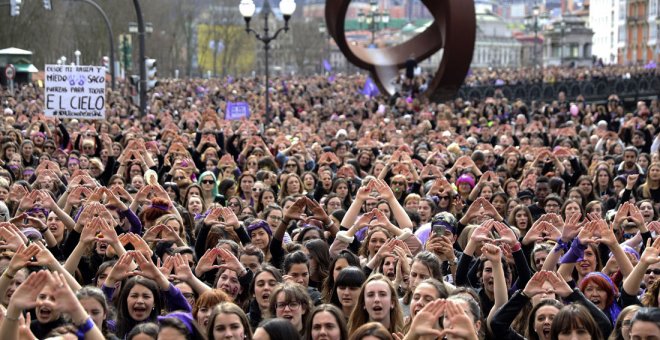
{"x":651,"y":188}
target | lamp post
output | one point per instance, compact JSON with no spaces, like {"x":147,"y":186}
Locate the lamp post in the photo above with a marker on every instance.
{"x":323,"y":30}
{"x":535,"y":13}
{"x":77,"y":54}
{"x":563,"y":32}
{"x":373,"y":19}
{"x":247,"y":9}
{"x":63,"y":59}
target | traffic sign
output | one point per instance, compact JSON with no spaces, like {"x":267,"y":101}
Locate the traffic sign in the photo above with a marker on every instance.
{"x":10,"y":71}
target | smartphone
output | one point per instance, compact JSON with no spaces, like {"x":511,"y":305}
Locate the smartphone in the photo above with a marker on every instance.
{"x":438,"y":230}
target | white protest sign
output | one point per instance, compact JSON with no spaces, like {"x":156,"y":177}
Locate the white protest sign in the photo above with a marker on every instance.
{"x":75,"y":92}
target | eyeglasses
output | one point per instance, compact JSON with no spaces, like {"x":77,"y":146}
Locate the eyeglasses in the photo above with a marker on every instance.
{"x":234,"y":204}
{"x":293,"y":305}
{"x":655,"y":271}
{"x":49,"y":147}
{"x":291,"y":165}
{"x":208,"y":181}
{"x":398,"y":183}
{"x":443,"y":198}
{"x":274,"y":218}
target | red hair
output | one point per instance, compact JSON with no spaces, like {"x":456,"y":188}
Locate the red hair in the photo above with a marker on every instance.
{"x":598,"y":279}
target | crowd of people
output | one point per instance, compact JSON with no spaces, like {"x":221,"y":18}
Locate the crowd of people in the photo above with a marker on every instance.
{"x":336,"y":216}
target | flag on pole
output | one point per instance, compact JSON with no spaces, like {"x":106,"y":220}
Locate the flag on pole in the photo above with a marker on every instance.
{"x":326,"y":65}
{"x":370,"y":89}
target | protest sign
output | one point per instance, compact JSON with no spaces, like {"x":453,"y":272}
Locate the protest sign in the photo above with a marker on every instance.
{"x":238,"y":110}
{"x":75,"y":92}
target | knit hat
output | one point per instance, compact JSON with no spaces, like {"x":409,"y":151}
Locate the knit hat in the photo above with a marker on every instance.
{"x":260,"y":224}
{"x":184,"y":317}
{"x":465,"y":179}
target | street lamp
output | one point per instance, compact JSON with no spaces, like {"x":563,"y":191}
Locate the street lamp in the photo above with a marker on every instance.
{"x":77,"y":54}
{"x":247,"y":9}
{"x":535,"y":13}
{"x":563,"y":32}
{"x":373,"y":19}
{"x":63,"y":59}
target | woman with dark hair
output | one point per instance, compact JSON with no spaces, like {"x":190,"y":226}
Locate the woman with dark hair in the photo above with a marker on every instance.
{"x":326,"y":322}
{"x":228,"y":321}
{"x":574,"y":320}
{"x":276,"y":329}
{"x":93,"y":300}
{"x":343,"y":189}
{"x":227,"y":188}
{"x":645,"y":324}
{"x":266,"y":197}
{"x":140,"y":296}
{"x":291,"y":302}
{"x":265,"y":280}
{"x":178,"y":325}
{"x":346,"y":290}
{"x":344,"y":259}
{"x":318,"y":253}
{"x":143,"y":331}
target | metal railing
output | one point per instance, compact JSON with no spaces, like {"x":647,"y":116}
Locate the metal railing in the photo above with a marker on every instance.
{"x":594,"y":90}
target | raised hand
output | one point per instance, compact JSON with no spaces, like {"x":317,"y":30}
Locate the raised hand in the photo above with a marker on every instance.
{"x":425,"y":322}
{"x":586,"y":235}
{"x":207,"y":262}
{"x":535,"y":284}
{"x":182,"y":270}
{"x":506,"y":234}
{"x":22,"y":258}
{"x":571,"y":228}
{"x":12,"y":237}
{"x":492,"y":252}
{"x":149,"y":270}
{"x":317,"y":211}
{"x":229,"y":261}
{"x":296,"y":210}
{"x":25,"y":296}
{"x":482,"y":233}
{"x":461,"y":324}
{"x":559,"y":284}
{"x":651,"y":254}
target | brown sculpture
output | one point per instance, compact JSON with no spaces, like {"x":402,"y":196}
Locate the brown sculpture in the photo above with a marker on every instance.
{"x":453,"y":30}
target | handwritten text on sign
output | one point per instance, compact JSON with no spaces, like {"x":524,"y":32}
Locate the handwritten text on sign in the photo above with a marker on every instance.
{"x":75,"y":91}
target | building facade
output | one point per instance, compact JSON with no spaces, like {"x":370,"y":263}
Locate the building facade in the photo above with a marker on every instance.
{"x":604,"y":21}
{"x":638,"y":31}
{"x":568,"y":41}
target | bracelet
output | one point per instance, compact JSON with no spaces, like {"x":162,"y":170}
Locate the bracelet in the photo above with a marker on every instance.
{"x":84,"y":328}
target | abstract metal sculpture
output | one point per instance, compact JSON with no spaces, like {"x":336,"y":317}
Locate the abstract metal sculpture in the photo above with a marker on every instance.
{"x":453,"y":30}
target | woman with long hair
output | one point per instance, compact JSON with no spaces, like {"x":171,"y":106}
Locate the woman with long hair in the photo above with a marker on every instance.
{"x":377,"y":303}
{"x":651,"y":188}
{"x":266,"y":278}
{"x":346,"y":290}
{"x":344,"y":259}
